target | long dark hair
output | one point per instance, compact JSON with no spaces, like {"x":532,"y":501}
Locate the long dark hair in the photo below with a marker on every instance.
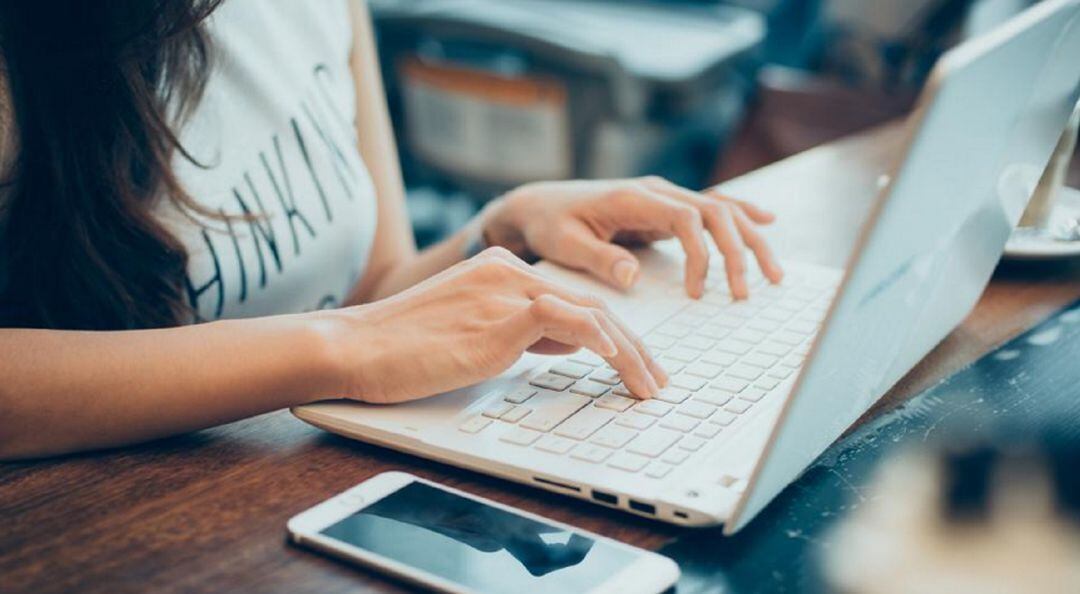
{"x":95,"y":91}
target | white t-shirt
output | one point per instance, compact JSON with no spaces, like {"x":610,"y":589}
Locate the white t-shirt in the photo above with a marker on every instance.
{"x":275,"y":127}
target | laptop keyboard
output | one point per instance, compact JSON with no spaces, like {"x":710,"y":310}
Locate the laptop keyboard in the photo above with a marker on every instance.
{"x":723,"y":358}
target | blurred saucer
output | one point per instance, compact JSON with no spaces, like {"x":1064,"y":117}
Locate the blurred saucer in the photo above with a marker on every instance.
{"x":1060,"y":238}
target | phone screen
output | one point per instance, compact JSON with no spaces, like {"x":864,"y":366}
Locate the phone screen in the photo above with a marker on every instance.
{"x":477,"y":546}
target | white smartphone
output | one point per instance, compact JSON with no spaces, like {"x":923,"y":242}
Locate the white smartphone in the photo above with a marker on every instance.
{"x":451,"y":541}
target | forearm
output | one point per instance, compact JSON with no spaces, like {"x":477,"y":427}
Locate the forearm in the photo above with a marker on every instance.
{"x":64,"y":391}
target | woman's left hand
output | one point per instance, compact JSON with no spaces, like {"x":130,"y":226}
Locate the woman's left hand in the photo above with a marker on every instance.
{"x":586,"y":224}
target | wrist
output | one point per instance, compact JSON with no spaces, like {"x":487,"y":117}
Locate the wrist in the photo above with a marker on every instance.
{"x":502,"y":224}
{"x":325,"y":369}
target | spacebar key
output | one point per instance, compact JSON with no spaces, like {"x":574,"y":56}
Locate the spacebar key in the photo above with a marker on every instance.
{"x":552,"y":408}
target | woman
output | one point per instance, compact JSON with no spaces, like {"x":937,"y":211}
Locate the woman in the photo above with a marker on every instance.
{"x":178,"y":161}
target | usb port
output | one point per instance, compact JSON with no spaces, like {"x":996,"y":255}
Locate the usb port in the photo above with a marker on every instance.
{"x":607,"y":498}
{"x":645,"y":508}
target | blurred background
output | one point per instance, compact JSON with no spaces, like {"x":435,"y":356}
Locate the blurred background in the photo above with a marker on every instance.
{"x":489,"y":94}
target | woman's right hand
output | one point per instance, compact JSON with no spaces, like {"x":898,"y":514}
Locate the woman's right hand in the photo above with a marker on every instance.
{"x":472,"y":322}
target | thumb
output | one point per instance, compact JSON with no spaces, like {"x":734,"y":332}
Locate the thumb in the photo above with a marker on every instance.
{"x":610,"y":263}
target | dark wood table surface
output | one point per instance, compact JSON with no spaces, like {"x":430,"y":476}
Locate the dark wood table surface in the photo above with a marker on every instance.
{"x":207,"y":511}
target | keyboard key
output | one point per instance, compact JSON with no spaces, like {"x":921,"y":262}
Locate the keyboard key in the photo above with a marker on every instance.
{"x":628,"y":462}
{"x":744,"y":372}
{"x":658,"y":470}
{"x":654,"y":442}
{"x":634,"y":420}
{"x":713,"y":396}
{"x":748,"y":335}
{"x":775,"y":349}
{"x":474,"y":424}
{"x":752,"y":394}
{"x":653,"y":408}
{"x":687,"y":382}
{"x":729,"y":322}
{"x":719,"y":358}
{"x":704,"y":310}
{"x":550,"y":409}
{"x":742,"y":309}
{"x":519,"y":395}
{"x":659,"y":342}
{"x":767,"y":383}
{"x":589,"y":358}
{"x":691,"y":443}
{"x":552,"y":382}
{"x":672,"y":395}
{"x":515,"y":414}
{"x":714,"y":331}
{"x":584,"y":423}
{"x":591,"y":453}
{"x":802,"y":350}
{"x":675,"y":456}
{"x":555,"y":445}
{"x":776,"y":315}
{"x":723,"y":418}
{"x":697,"y":342}
{"x":674,"y":330}
{"x":519,"y":436}
{"x":707,"y":430}
{"x":737,"y":406}
{"x":671,"y":366}
{"x":606,"y":376}
{"x":704,"y":370}
{"x":780,"y":372}
{"x":730,"y":384}
{"x":789,"y":304}
{"x":589,"y":388}
{"x":735,"y":347}
{"x":760,"y":360}
{"x":679,"y":423}
{"x":613,"y":437}
{"x":683,"y":355}
{"x":695,"y":409}
{"x":763,"y":325}
{"x":497,"y":410}
{"x":572,"y":370}
{"x":792,"y":361}
{"x":614,"y":402}
{"x":802,"y":327}
{"x":788,"y":338}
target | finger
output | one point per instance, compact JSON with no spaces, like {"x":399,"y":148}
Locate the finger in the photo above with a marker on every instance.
{"x":658,"y":373}
{"x":637,"y":207}
{"x":549,"y":317}
{"x":757,"y":244}
{"x":726,"y":235}
{"x":615,"y":328}
{"x":546,"y":346}
{"x":583,"y":250}
{"x":754,"y":212}
{"x":687,"y":226}
{"x":718,"y":219}
{"x":628,"y":361}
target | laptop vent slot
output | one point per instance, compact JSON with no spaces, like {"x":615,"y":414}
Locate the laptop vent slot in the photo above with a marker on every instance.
{"x":557,"y":484}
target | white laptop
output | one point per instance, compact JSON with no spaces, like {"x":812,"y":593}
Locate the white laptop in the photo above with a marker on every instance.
{"x":761,"y":387}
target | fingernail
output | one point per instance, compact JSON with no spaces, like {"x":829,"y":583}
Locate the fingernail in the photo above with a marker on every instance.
{"x":624,"y":272}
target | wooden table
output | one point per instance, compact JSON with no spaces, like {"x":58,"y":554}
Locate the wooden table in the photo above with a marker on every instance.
{"x":206,"y":512}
